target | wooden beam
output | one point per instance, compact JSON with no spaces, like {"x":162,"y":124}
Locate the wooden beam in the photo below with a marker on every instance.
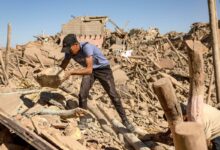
{"x":164,"y":90}
{"x":196,"y":93}
{"x":27,"y":135}
{"x":7,"y":52}
{"x":190,"y":136}
{"x":215,"y":44}
{"x":130,"y":137}
{"x":6,"y":81}
{"x":101,"y":118}
{"x":136,"y":143}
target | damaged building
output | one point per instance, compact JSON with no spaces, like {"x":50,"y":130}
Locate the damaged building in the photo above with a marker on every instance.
{"x":87,"y":29}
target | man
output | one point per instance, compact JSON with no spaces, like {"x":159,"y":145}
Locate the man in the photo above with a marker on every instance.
{"x":96,"y":66}
{"x":211,"y":123}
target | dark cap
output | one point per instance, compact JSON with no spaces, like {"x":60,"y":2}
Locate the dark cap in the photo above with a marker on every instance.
{"x":68,"y":41}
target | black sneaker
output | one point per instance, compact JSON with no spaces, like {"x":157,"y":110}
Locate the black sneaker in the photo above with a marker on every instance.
{"x":129,"y":126}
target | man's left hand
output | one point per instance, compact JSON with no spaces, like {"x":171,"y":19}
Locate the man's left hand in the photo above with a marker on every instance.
{"x":67,"y":75}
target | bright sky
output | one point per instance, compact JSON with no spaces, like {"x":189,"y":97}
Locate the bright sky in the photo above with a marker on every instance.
{"x":32,"y":17}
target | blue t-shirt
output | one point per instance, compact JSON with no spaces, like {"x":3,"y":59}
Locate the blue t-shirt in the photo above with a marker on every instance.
{"x":86,"y":50}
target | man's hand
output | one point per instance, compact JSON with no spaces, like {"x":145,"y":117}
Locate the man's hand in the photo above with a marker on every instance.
{"x":84,"y":71}
{"x":67,"y":75}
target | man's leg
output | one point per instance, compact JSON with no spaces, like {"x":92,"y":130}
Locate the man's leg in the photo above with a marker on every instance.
{"x":86,"y":84}
{"x":106,"y":79}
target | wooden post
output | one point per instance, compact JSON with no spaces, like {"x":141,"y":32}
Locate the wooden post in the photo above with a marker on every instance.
{"x":8,"y":48}
{"x":3,"y":69}
{"x":215,"y":44}
{"x":130,"y":137}
{"x":191,"y":135}
{"x":196,"y":93}
{"x":164,"y":90}
{"x":101,"y":118}
{"x":136,"y":143}
{"x":25,"y":133}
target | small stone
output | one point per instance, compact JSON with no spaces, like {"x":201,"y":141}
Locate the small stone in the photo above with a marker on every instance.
{"x":160,"y":113}
{"x":143,"y":113}
{"x":73,"y":132}
{"x":158,"y":147}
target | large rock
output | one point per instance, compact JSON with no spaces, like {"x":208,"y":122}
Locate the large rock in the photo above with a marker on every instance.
{"x":50,"y":77}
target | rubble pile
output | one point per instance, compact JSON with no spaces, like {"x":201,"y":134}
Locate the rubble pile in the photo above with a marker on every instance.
{"x":138,"y":58}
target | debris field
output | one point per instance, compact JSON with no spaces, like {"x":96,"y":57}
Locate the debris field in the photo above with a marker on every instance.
{"x":138,"y":58}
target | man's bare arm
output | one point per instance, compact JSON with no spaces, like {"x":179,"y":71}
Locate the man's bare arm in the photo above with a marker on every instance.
{"x":85,"y":71}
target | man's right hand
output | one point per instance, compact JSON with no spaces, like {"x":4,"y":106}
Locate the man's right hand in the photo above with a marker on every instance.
{"x":67,"y":75}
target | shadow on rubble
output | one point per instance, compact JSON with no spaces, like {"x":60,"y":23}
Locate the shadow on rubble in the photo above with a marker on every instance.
{"x":11,"y":141}
{"x":44,"y":99}
{"x":27,"y":102}
{"x":162,"y":137}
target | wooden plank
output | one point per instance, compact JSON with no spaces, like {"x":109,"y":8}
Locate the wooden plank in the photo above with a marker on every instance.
{"x":27,"y":135}
{"x":3,"y":69}
{"x":131,"y":138}
{"x":136,"y":143}
{"x":165,"y":92}
{"x":101,"y":118}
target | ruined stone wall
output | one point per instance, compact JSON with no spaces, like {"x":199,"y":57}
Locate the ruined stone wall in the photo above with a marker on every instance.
{"x":87,"y":29}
